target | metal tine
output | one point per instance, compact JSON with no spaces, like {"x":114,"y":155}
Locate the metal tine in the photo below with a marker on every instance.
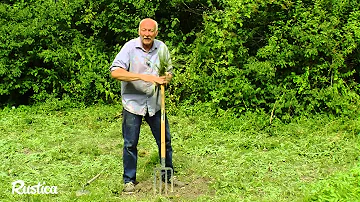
{"x":158,"y":174}
{"x":166,"y":184}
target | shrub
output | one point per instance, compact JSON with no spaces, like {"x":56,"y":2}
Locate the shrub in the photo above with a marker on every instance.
{"x":284,"y":57}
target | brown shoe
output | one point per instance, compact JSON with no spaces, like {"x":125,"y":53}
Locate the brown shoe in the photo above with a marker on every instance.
{"x":129,"y":187}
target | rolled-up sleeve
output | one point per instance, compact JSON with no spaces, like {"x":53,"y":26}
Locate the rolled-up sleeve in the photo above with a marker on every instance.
{"x":122,"y":59}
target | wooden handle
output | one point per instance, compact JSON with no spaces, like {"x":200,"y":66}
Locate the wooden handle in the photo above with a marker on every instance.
{"x":162,"y":87}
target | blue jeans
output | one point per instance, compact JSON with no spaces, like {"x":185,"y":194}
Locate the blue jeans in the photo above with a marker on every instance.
{"x":131,"y":130}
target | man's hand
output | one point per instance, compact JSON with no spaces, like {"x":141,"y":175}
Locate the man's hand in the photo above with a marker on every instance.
{"x":154,"y":79}
{"x":157,"y":80}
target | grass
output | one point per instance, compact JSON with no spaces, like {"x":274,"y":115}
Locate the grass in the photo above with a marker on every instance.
{"x":223,"y":158}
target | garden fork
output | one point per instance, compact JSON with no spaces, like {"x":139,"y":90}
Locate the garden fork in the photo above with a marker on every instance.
{"x":159,"y":172}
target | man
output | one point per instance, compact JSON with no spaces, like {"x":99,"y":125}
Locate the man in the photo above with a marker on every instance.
{"x":137,"y":66}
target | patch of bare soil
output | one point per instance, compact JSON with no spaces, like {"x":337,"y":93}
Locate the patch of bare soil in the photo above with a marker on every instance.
{"x":193,"y":189}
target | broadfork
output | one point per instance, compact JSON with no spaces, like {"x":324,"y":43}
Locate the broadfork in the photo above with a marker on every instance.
{"x":158,"y":172}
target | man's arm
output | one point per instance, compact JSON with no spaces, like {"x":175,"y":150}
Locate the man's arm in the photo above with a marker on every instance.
{"x":123,"y":75}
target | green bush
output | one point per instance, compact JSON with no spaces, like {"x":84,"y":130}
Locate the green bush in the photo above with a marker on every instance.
{"x":36,"y":50}
{"x":284,"y":58}
{"x":281,"y":56}
{"x":55,"y":49}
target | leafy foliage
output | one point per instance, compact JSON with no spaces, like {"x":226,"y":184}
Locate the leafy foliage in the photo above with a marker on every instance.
{"x":56,"y":49}
{"x":282,"y":57}
{"x":43,"y":56}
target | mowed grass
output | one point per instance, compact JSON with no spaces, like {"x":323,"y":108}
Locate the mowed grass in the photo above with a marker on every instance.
{"x":223,"y":158}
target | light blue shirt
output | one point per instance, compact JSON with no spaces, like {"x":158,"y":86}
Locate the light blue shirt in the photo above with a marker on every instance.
{"x":140,"y":97}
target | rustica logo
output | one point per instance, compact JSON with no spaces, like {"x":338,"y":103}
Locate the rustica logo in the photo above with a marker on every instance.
{"x":19,"y":187}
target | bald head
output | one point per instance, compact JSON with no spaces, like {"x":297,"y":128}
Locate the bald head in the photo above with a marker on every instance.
{"x":148,"y":30}
{"x":149,"y":21}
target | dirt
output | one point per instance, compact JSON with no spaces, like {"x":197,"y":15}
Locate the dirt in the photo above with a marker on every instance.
{"x":193,"y":189}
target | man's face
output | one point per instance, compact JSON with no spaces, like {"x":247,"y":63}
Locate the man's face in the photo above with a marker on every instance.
{"x":147,"y":32}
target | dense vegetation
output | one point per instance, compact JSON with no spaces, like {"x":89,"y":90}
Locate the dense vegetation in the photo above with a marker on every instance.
{"x":286,"y":58}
